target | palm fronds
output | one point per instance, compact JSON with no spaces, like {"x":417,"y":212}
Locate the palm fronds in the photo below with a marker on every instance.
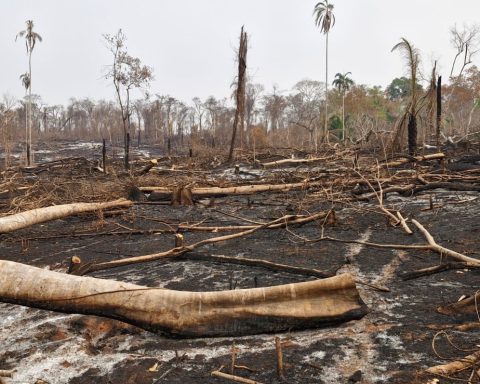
{"x":324,"y":17}
{"x":412,"y":58}
{"x":30,"y":35}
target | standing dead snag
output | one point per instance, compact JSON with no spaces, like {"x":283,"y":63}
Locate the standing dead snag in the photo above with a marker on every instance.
{"x":439,"y":110}
{"x":240,"y":92}
{"x":189,"y":314}
{"x":412,"y":56}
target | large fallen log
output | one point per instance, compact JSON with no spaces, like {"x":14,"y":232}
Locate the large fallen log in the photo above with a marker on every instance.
{"x":186,"y":314}
{"x":166,"y":192}
{"x":40,"y":215}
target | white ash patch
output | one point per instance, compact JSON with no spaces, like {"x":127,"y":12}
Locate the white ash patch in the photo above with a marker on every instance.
{"x":63,"y":364}
{"x":315,"y":356}
{"x":392,"y":341}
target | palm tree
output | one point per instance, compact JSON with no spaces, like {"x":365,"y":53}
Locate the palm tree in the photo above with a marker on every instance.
{"x":325,"y":20}
{"x":412,"y":57}
{"x":343,"y":83}
{"x":31,"y":38}
{"x":25,"y":78}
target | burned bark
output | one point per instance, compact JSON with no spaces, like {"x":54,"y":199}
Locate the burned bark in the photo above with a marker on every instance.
{"x":439,"y":110}
{"x":240,"y":92}
{"x":186,"y":314}
{"x":412,"y":134}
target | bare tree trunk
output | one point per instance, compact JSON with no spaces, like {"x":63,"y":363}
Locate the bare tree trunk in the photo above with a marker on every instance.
{"x":412,"y":134}
{"x":127,"y":151}
{"x":240,"y":94}
{"x":326,"y":91}
{"x":126,"y":130}
{"x":439,"y":109}
{"x":26,"y":129}
{"x":343,"y":117}
{"x":104,"y":156}
{"x":29,"y":139}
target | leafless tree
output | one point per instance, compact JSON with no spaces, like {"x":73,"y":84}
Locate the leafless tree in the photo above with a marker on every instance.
{"x":253,"y":92}
{"x":466,"y":42}
{"x":7,"y":117}
{"x":199,"y":111}
{"x":127,"y":73}
{"x":305,"y":106}
{"x":274,"y":106}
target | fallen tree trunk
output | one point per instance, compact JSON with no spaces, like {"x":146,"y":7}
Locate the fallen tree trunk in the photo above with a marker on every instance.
{"x":431,"y":246}
{"x":166,"y":192}
{"x":299,"y":220}
{"x":237,"y":379}
{"x":258,"y":263}
{"x":456,"y":366}
{"x":399,"y":189}
{"x":413,"y":159}
{"x":444,"y":185}
{"x":291,"y":162}
{"x":436,"y":269}
{"x":186,"y":314}
{"x":83,"y":269}
{"x":152,"y":163}
{"x":40,"y":215}
{"x":468,"y":305}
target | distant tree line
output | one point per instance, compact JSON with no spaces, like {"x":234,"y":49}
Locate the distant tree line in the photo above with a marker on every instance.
{"x":304,"y":116}
{"x":272,"y":117}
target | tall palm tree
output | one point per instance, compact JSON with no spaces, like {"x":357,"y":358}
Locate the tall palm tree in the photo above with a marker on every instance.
{"x":325,"y":20}
{"x":412,"y":57}
{"x":25,"y":78}
{"x":31,"y":38}
{"x":343,"y":83}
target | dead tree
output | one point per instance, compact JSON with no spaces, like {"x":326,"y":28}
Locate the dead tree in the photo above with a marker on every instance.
{"x":465,"y":42}
{"x":439,"y":109}
{"x":431,"y":97}
{"x":127,"y":73}
{"x":240,"y":92}
{"x":412,"y":57}
{"x":302,"y":305}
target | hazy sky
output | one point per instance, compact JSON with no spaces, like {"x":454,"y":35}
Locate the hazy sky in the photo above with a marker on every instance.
{"x":191,"y":43}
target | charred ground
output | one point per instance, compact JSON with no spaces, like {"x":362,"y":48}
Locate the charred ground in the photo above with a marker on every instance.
{"x":393,"y":343}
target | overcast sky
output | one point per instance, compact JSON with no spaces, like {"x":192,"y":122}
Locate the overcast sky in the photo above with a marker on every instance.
{"x":191,"y":43}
